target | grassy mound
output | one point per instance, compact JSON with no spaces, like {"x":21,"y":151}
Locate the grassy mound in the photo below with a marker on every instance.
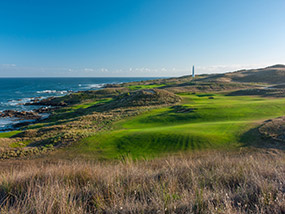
{"x":271,"y":75}
{"x":146,"y":97}
{"x":199,"y":86}
{"x":81,"y":96}
{"x":274,"y":129}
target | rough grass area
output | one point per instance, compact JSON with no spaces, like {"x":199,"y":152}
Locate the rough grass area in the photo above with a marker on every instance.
{"x":89,"y":104}
{"x":146,"y":97}
{"x":274,"y":129}
{"x":202,"y":182}
{"x":81,"y":96}
{"x":137,"y":87}
{"x":214,"y":122}
{"x":270,"y":75}
{"x":73,"y":111}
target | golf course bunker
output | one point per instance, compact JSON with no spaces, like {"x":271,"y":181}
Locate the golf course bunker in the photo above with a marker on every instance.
{"x":274,"y":129}
{"x":147,"y":97}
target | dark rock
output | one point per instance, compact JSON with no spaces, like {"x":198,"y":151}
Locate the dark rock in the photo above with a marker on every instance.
{"x":23,"y":115}
{"x":51,"y":101}
{"x":112,"y":86}
{"x":44,"y":110}
{"x":19,"y":125}
{"x":35,"y":100}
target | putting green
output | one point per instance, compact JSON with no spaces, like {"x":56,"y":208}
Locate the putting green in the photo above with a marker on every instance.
{"x":218,"y":122}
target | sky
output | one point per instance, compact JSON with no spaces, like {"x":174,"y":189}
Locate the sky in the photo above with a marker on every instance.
{"x":136,"y":38}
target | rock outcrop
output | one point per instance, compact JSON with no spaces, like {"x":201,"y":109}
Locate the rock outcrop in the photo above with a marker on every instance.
{"x":22,"y":115}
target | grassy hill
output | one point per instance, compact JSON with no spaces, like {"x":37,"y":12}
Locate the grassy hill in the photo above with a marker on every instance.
{"x":215,"y":123}
{"x":270,"y":75}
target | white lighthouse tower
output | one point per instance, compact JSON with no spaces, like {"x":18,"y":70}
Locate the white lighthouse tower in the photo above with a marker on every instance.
{"x":193,"y":72}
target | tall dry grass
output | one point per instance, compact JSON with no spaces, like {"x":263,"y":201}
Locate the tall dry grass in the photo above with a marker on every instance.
{"x":203,"y":182}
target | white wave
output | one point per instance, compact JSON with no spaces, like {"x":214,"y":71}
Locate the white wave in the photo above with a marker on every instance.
{"x":8,"y":122}
{"x":44,"y":115}
{"x":90,"y":86}
{"x":17,"y":102}
{"x":52,"y":92}
{"x":5,"y":122}
{"x":46,"y":92}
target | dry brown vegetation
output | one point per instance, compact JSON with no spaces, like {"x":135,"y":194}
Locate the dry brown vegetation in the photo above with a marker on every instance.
{"x":270,"y":75}
{"x":274,"y":130}
{"x":146,"y":97}
{"x":201,"y":182}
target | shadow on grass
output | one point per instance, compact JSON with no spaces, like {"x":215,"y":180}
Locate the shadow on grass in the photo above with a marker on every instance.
{"x":205,"y":95}
{"x":253,"y":138}
{"x":174,"y":115}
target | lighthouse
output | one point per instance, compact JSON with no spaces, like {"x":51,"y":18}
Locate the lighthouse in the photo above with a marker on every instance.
{"x":193,"y":72}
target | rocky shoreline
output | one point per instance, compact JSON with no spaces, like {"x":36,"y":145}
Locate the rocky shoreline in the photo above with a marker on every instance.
{"x":23,"y":118}
{"x":20,"y":115}
{"x":43,"y":108}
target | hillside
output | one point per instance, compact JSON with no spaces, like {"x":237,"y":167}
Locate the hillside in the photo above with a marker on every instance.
{"x":270,"y":75}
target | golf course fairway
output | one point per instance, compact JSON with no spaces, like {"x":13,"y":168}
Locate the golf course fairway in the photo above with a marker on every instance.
{"x":214,"y":121}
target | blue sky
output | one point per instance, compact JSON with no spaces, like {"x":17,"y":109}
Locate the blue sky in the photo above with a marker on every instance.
{"x":138,"y":37}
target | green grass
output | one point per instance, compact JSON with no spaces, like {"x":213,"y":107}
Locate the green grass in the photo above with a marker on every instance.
{"x":216,"y":123}
{"x":137,"y":87}
{"x":8,"y":134}
{"x":20,"y":144}
{"x":89,"y":104}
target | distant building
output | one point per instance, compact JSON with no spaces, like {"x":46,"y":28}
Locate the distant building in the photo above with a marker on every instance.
{"x":193,"y":72}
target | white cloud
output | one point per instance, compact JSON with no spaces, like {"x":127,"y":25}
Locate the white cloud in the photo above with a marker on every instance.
{"x":8,"y":65}
{"x":225,"y":68}
{"x":88,"y":70}
{"x":144,"y":70}
{"x":104,"y":70}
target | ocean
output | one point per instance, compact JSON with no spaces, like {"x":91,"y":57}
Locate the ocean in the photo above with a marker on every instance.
{"x":16,"y":91}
